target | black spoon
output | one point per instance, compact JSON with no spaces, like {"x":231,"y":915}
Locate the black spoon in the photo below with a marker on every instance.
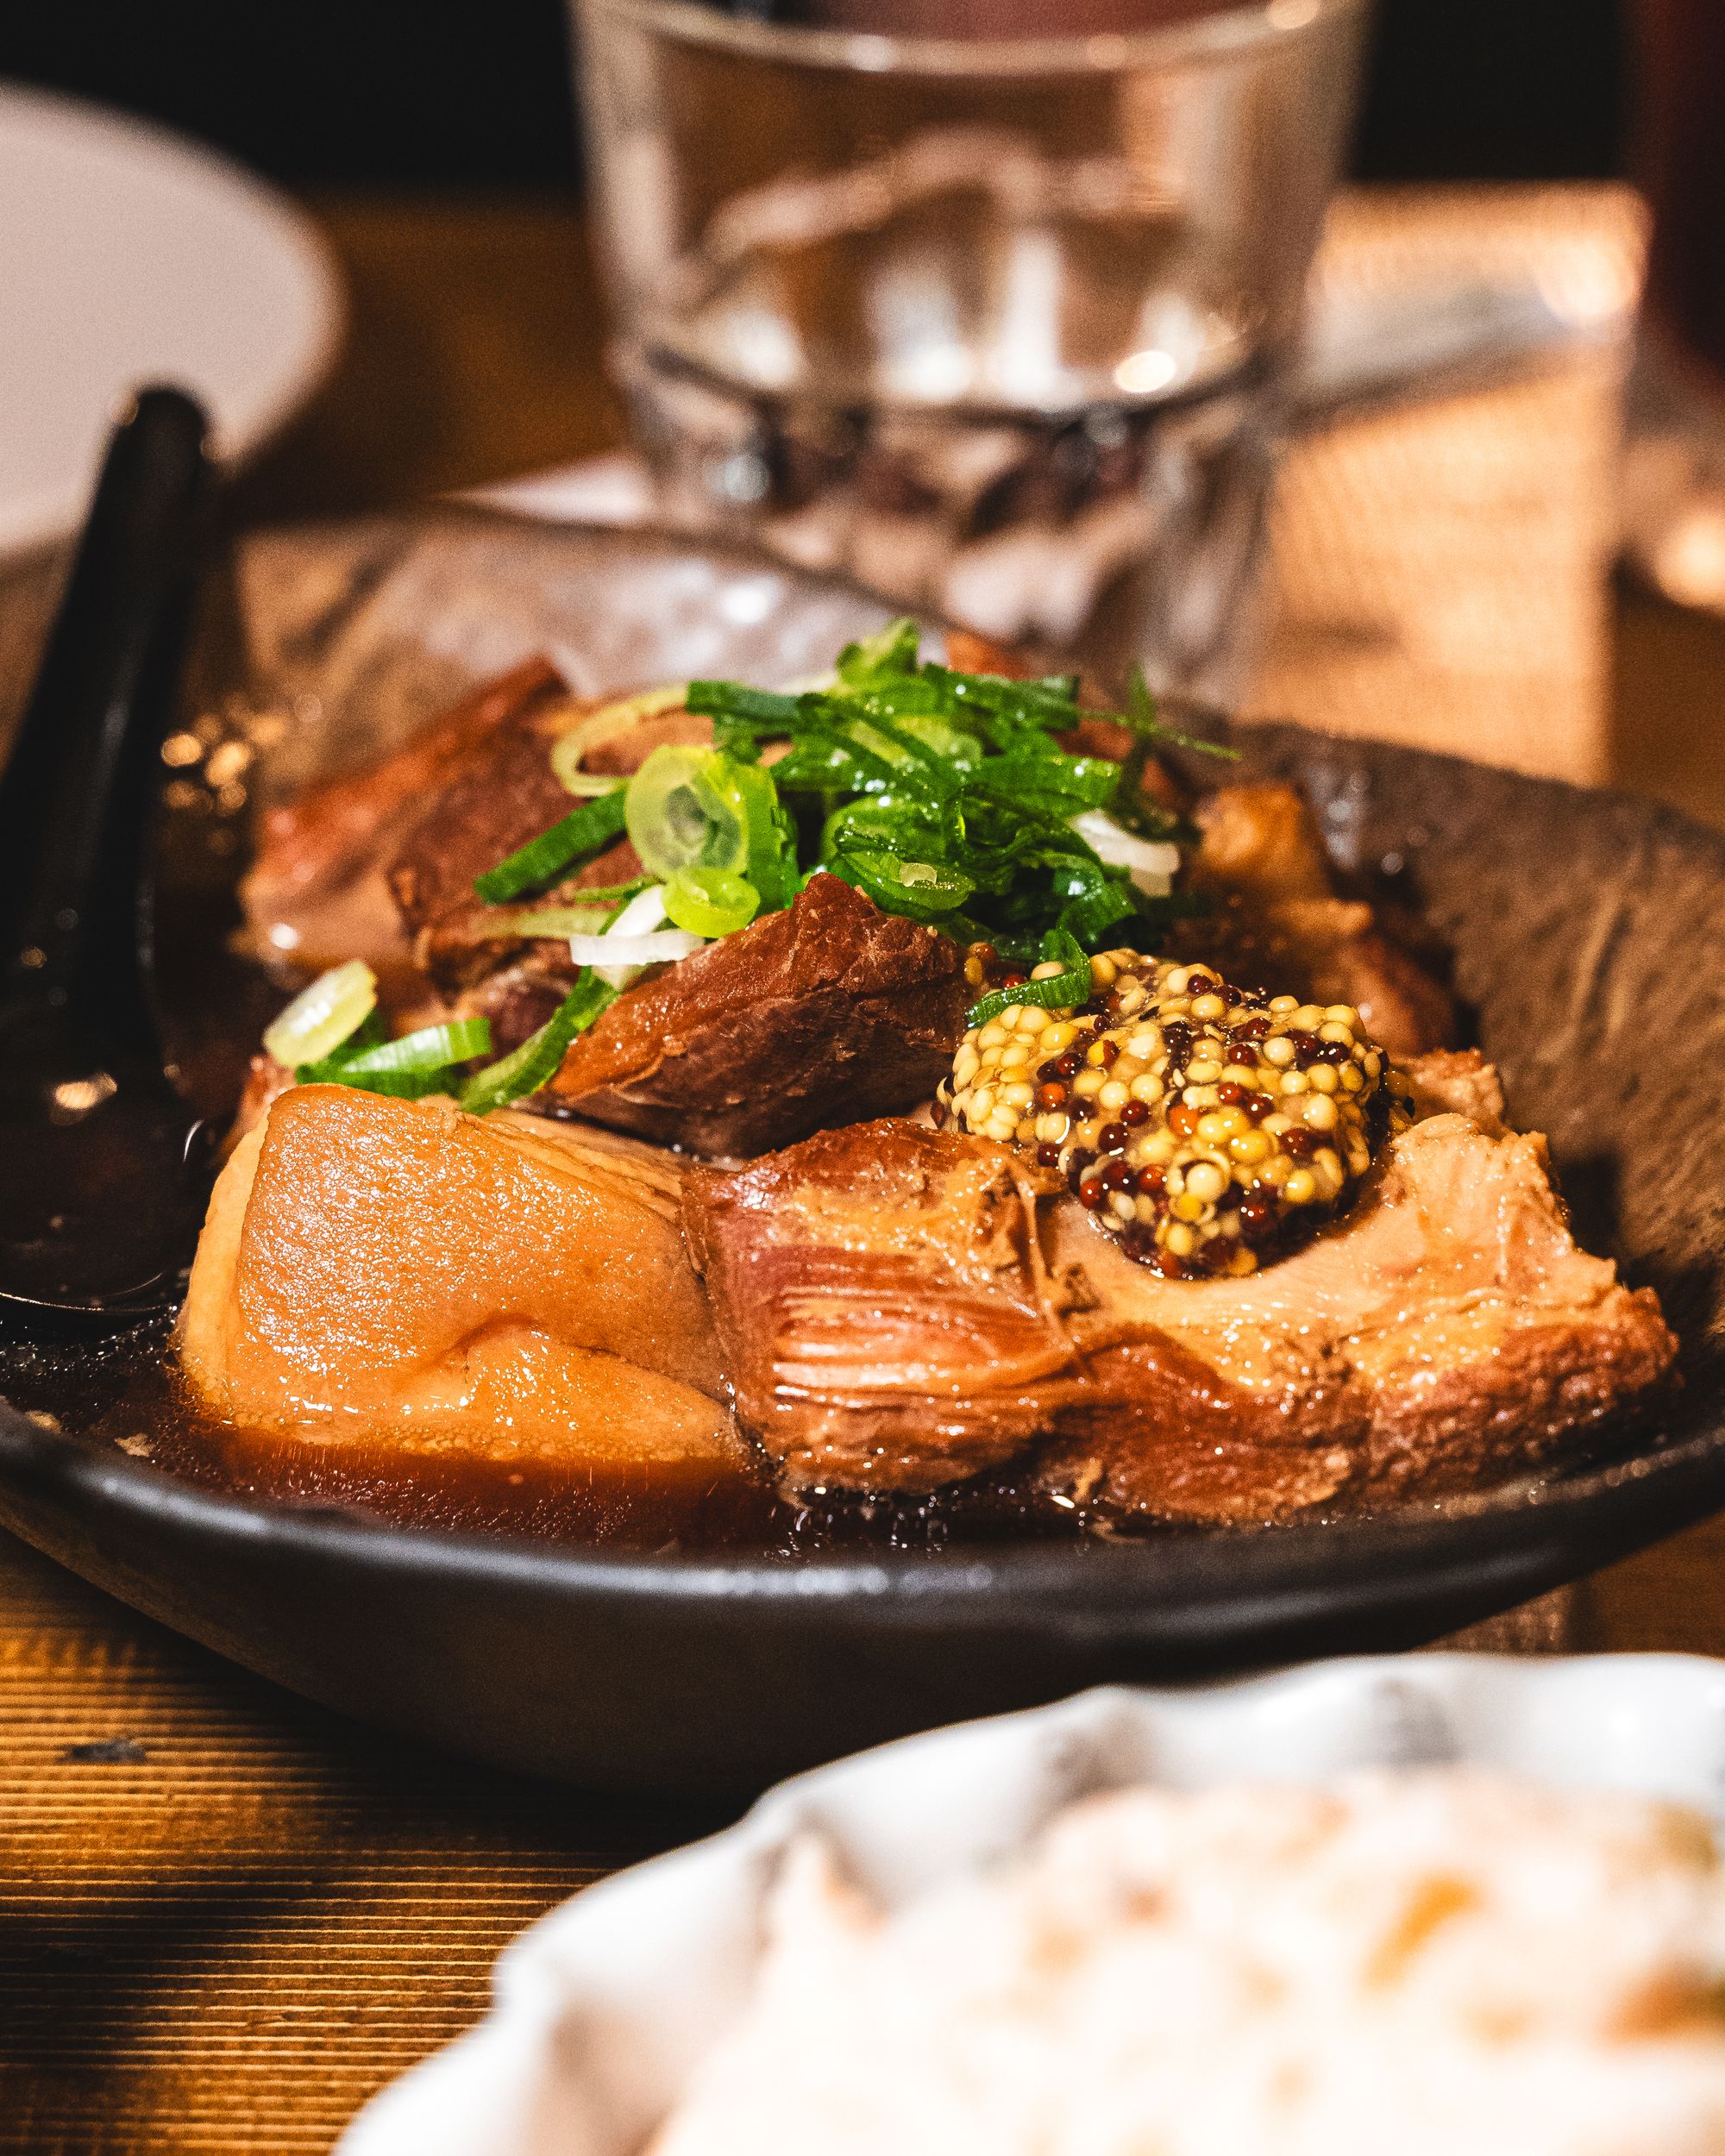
{"x":102,"y":1174}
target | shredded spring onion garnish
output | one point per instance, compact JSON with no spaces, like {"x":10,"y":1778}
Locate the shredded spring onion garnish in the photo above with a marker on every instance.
{"x":409,"y":1068}
{"x":1060,"y":990}
{"x":946,"y":796}
{"x":581,"y":833}
{"x":535,"y":1063}
{"x":1150,"y":863}
{"x":636,"y":939}
{"x":620,"y":959}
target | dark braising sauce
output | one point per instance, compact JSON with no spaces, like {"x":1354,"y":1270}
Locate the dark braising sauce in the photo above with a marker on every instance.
{"x":126,"y":1395}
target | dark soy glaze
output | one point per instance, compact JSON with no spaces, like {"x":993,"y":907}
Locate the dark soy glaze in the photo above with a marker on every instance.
{"x":126,"y":1395}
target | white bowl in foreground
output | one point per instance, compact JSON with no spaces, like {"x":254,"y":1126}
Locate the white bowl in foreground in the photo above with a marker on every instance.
{"x":604,"y":2007}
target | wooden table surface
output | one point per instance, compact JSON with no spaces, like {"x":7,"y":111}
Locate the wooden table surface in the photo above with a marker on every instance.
{"x":226,"y":1916}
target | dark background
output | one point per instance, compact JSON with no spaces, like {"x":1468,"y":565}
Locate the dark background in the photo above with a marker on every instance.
{"x":474,"y":94}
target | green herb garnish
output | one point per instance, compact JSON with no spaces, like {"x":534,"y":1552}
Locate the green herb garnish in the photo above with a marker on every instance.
{"x":946,"y":796}
{"x":581,"y":834}
{"x":1062,"y":991}
{"x":408,"y":1069}
{"x":535,"y":1063}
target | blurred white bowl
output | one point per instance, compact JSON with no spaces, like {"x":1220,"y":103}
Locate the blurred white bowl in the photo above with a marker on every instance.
{"x":127,"y":256}
{"x":603,"y":2008}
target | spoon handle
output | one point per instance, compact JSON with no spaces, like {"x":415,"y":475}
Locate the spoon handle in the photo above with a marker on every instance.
{"x":77,"y":794}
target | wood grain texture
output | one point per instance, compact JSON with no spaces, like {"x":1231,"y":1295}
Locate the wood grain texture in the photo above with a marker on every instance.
{"x":225,"y":1916}
{"x":225,"y":1926}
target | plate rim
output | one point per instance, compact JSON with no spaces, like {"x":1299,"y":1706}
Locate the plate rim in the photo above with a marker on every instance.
{"x":1639,"y":1495}
{"x":33,"y":521}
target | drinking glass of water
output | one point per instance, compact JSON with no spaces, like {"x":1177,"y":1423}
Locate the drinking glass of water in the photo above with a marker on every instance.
{"x":988,"y":304}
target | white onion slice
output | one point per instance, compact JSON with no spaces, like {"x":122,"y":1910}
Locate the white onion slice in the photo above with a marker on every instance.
{"x":634,"y":941}
{"x":619,"y":959}
{"x":1151,"y":862}
{"x":644,"y":912}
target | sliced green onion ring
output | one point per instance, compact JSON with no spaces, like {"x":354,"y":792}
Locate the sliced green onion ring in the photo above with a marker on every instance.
{"x":710,"y":901}
{"x":606,"y":725}
{"x":321,"y":1017}
{"x":535,"y":1063}
{"x":683,"y":810}
{"x":772,"y":863}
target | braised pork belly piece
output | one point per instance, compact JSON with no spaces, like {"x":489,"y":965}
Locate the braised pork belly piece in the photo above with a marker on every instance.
{"x":882,"y":1307}
{"x":378,"y":1269}
{"x":838,"y":1012}
{"x":830,"y":1013}
{"x":318,"y":891}
{"x":1275,"y":920}
{"x":1212,"y":1227}
{"x":497,"y":802}
{"x":898,"y":1308}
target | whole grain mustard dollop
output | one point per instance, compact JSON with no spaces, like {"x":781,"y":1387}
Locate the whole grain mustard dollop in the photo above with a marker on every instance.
{"x":1209,"y":1127}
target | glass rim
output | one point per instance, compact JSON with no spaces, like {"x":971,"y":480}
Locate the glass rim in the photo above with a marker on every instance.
{"x":1237,"y":31}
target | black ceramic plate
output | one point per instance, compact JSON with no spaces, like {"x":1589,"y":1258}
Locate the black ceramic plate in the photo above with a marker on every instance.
{"x":1587,"y":934}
